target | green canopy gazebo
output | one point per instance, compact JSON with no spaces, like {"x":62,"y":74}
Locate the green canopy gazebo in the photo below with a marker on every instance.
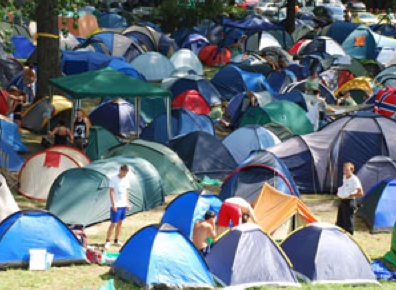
{"x":109,"y":83}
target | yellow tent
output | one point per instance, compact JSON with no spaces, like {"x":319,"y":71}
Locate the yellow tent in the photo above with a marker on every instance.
{"x":278,"y":214}
{"x":365,"y":84}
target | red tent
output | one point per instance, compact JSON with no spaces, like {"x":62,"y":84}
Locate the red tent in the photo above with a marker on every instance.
{"x":344,"y":76}
{"x":3,"y":102}
{"x":191,"y":100}
{"x":385,"y":102}
{"x":211,"y":55}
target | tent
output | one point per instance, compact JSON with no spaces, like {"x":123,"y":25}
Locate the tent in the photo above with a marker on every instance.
{"x":75,"y":153}
{"x":204,"y":87}
{"x":212,"y":55}
{"x":279,"y":130}
{"x":248,"y":178}
{"x":250,"y":23}
{"x":284,"y":112}
{"x":301,"y":31}
{"x":324,"y":91}
{"x":232,"y":80}
{"x":22,"y":46}
{"x":36,"y":229}
{"x":161,"y":254}
{"x":34,"y":118}
{"x":315,"y":160}
{"x":9,"y":158}
{"x":247,"y":139}
{"x":204,"y":154}
{"x":14,"y":29}
{"x":88,"y":203}
{"x":126,"y":68}
{"x":379,"y":206}
{"x":153,"y":66}
{"x":112,"y":20}
{"x":385,"y":102}
{"x":7,"y":202}
{"x":40,"y":170}
{"x":116,"y":116}
{"x":365,"y":84}
{"x":193,"y":101}
{"x":244,"y":245}
{"x":283,"y":37}
{"x":390,"y":257}
{"x":384,"y":29}
{"x":279,"y":214}
{"x":175,"y":177}
{"x":259,"y":41}
{"x":9,"y":69}
{"x":186,"y":59}
{"x":375,"y":170}
{"x":183,"y":122}
{"x":195,"y":42}
{"x":109,"y":83}
{"x":185,"y":210}
{"x":339,"y":30}
{"x":323,"y":253}
{"x":99,"y":141}
{"x":321,"y":45}
{"x":9,"y":134}
{"x":279,"y":80}
{"x":67,"y":42}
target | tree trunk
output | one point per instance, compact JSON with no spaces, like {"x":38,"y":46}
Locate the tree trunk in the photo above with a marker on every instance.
{"x":48,"y":57}
{"x":291,"y":16}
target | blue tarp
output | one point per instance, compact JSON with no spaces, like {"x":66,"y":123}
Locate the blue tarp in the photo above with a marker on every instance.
{"x":162,"y":255}
{"x":12,"y":161}
{"x":9,"y":134}
{"x":182,"y":122}
{"x":184,"y":211}
{"x":381,"y":272}
{"x":34,"y":229}
{"x":260,"y":167}
{"x":126,"y":68}
{"x":23,"y":47}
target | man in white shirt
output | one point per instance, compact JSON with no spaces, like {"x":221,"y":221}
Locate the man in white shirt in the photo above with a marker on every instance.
{"x":119,"y":204}
{"x":351,"y":188}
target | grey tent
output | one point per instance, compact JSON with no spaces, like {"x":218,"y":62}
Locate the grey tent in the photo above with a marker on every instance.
{"x":81,"y":195}
{"x":247,"y":257}
{"x":375,"y":170}
{"x":176,"y":178}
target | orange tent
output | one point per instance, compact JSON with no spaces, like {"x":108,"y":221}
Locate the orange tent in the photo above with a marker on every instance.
{"x":86,"y":25}
{"x":278,"y":214}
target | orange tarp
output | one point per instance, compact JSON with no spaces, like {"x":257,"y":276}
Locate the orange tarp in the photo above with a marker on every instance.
{"x":86,"y":25}
{"x":272,"y":208}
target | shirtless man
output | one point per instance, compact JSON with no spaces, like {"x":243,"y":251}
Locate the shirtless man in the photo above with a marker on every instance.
{"x":29,"y":78}
{"x":232,"y":210}
{"x":204,"y":229}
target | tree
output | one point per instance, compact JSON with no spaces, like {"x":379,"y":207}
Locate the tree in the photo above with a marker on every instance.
{"x":45,"y":13}
{"x":290,"y":16}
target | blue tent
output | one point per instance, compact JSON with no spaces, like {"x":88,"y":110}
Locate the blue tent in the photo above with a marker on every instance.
{"x":75,"y":62}
{"x":340,"y":30}
{"x":185,"y":59}
{"x":184,"y":211}
{"x":279,"y":80}
{"x":204,"y":87}
{"x":232,"y":80}
{"x":10,"y":159}
{"x":195,"y":42}
{"x":23,"y":48}
{"x":160,"y":254}
{"x":9,"y":134}
{"x":126,"y":68}
{"x":250,"y":23}
{"x":295,"y":97}
{"x":247,"y":139}
{"x":112,"y":20}
{"x":323,"y":253}
{"x":260,"y":167}
{"x":204,"y":154}
{"x":384,"y":29}
{"x":182,"y":122}
{"x":364,"y":49}
{"x":153,"y":66}
{"x":246,"y":257}
{"x":36,"y":229}
{"x":379,"y":206}
{"x":301,"y":72}
{"x":117,"y":116}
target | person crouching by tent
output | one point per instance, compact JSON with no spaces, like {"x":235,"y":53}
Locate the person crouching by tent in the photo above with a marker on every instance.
{"x":80,"y":128}
{"x":203,"y":231}
{"x":351,"y":189}
{"x":16,"y":98}
{"x":62,"y":134}
{"x":232,"y":210}
{"x":119,"y":204}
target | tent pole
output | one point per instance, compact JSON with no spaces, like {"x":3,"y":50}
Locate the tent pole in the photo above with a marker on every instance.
{"x":137,"y":116}
{"x":168,"y":116}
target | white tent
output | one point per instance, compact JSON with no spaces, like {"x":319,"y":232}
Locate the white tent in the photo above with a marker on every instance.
{"x":74,"y":153}
{"x":185,"y":59}
{"x":7,"y":203}
{"x":40,"y":171}
{"x":261,"y":40}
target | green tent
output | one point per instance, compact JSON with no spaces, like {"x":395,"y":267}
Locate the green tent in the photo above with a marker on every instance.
{"x":175,"y":176}
{"x":81,"y":195}
{"x":112,"y":84}
{"x":281,"y":131}
{"x":286,"y":113}
{"x":355,"y":67}
{"x":99,"y":141}
{"x":390,"y":257}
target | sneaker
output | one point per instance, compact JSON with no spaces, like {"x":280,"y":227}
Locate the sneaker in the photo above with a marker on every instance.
{"x":118,"y":244}
{"x":107,"y":245}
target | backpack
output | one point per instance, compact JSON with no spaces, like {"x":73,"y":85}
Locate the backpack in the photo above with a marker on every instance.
{"x":94,"y":255}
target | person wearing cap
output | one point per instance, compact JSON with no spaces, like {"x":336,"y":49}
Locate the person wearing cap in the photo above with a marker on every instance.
{"x":203,"y":230}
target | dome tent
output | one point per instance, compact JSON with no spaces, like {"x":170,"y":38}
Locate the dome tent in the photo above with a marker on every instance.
{"x":193,"y":101}
{"x":186,"y":59}
{"x":7,"y":202}
{"x":161,"y":254}
{"x":75,"y":153}
{"x":37,"y":229}
{"x":185,"y":210}
{"x":175,"y":177}
{"x":323,"y":253}
{"x":99,"y":141}
{"x":153,"y":66}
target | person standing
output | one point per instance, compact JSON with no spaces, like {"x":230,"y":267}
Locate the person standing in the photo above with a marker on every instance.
{"x":29,"y":79}
{"x":351,"y":189}
{"x":312,"y":83}
{"x":119,"y":204}
{"x":80,"y":128}
{"x":232,"y":210}
{"x":203,"y":230}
